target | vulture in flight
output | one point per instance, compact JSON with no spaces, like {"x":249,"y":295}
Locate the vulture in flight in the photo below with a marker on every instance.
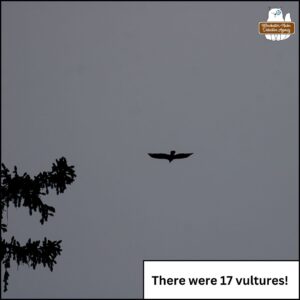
{"x":170,"y":156}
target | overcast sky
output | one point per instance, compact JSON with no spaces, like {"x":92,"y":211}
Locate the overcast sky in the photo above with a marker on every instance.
{"x":103,"y":84}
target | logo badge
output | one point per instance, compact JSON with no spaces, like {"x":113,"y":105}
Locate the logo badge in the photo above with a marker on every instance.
{"x":277,"y":28}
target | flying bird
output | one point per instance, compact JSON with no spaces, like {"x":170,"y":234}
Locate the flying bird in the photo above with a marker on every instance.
{"x":170,"y":156}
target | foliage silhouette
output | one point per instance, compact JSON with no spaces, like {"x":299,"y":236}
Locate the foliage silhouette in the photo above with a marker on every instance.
{"x":26,"y":191}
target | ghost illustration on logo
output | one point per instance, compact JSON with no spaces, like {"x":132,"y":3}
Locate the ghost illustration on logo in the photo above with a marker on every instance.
{"x":275,"y":15}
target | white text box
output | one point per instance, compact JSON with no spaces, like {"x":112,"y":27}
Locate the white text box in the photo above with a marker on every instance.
{"x":221,"y":279}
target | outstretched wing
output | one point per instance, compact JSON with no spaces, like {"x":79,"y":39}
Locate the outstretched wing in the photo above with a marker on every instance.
{"x":182,"y":155}
{"x":159,"y":155}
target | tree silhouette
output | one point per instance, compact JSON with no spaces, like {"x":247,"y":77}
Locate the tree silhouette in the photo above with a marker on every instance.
{"x":26,"y":191}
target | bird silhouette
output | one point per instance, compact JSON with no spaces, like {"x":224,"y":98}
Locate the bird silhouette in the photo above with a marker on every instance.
{"x":170,"y":156}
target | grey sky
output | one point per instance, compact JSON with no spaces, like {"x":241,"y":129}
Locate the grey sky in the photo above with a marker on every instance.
{"x":105,"y":83}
